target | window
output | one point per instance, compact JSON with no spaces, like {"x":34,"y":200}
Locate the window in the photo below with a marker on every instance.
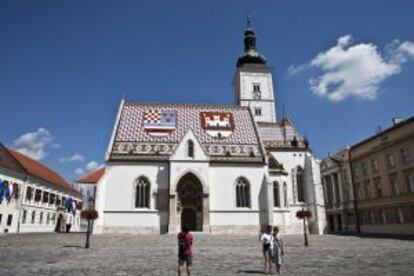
{"x":257,"y":111}
{"x":377,"y":184}
{"x":45,"y":197}
{"x":24,"y":217}
{"x":367,"y":189}
{"x":405,"y":156}
{"x":41,"y":218}
{"x":285,"y":200}
{"x":53,"y":218}
{"x":52,"y":199}
{"x":142,"y":193}
{"x":276,"y":196}
{"x":299,"y":183}
{"x":47,"y":218}
{"x":256,"y":92}
{"x":409,"y":180}
{"x":390,"y":160}
{"x":364,"y":169}
{"x":1,"y":215}
{"x":29,"y":193}
{"x":58,"y":201}
{"x":393,"y":184}
{"x":33,"y":216}
{"x":242,"y":193}
{"x":38,"y":195}
{"x":374,"y":164}
{"x":63,"y":201}
{"x":9,"y":220}
{"x":190,"y":149}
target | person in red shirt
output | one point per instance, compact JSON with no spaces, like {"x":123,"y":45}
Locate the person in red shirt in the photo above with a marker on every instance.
{"x":185,"y":252}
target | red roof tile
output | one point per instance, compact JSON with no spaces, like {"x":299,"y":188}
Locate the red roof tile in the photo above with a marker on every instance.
{"x":41,"y":171}
{"x":93,"y":177}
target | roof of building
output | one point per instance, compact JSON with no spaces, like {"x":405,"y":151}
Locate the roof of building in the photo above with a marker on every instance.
{"x":21,"y":163}
{"x":224,"y":131}
{"x":281,"y":135}
{"x":392,"y":128}
{"x":9,"y":162}
{"x":93,"y":177}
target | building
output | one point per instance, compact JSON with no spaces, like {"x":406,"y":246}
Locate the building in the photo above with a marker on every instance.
{"x":216,"y":168}
{"x":33,"y":196}
{"x":338,"y":192}
{"x":383,"y":176}
{"x":86,"y":185}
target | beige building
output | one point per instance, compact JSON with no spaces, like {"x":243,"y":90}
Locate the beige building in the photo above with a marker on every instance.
{"x":380,"y":172}
{"x":383,"y":175}
{"x":338,"y":192}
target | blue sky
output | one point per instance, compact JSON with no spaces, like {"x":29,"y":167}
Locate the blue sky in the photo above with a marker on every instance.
{"x":342,"y":68}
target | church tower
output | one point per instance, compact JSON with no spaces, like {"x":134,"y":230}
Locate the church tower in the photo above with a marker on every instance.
{"x":252,"y":82}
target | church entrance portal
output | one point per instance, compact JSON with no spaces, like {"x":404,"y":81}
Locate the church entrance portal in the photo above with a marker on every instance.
{"x":190,"y":202}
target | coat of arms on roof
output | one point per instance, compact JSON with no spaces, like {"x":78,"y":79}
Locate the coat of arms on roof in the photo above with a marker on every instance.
{"x":159,"y":123}
{"x":217,"y":124}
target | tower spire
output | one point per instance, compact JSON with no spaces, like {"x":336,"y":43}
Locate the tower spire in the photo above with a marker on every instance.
{"x":251,"y":55}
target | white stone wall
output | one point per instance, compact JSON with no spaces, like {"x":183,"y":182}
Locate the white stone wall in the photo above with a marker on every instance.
{"x":12,"y":207}
{"x":243,"y":86}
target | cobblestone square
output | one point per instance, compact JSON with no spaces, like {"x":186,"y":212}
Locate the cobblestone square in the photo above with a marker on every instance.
{"x":63,"y":254}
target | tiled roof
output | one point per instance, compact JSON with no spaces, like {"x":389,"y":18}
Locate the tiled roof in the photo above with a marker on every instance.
{"x":131,"y":134}
{"x":41,"y":171}
{"x":9,"y":162}
{"x":93,"y":177}
{"x":279,"y":135}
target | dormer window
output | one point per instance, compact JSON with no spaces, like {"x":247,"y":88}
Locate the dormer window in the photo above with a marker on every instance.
{"x":190,"y":149}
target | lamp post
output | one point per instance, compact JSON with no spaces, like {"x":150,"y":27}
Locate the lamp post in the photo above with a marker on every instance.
{"x":304,"y":215}
{"x":89,"y":214}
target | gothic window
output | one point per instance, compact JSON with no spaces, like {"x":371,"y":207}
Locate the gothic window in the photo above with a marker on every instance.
{"x":142,"y":193}
{"x":257,"y":111}
{"x":242,"y":193}
{"x":285,"y":199}
{"x":190,"y":149}
{"x":299,"y":183}
{"x":276,"y":197}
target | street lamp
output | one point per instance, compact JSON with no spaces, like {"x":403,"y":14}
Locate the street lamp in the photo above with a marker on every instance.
{"x":89,"y":214}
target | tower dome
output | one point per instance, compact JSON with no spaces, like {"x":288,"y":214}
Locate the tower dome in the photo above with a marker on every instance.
{"x":250,"y":55}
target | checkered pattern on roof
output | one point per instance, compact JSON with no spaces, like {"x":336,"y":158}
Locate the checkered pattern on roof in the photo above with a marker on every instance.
{"x":187,"y":116}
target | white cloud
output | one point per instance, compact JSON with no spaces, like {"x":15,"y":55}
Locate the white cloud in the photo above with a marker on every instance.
{"x":89,"y":167}
{"x":355,"y":70}
{"x":35,"y":144}
{"x":77,"y":157}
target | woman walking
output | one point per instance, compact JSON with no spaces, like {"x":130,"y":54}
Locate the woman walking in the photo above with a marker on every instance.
{"x":277,"y":252}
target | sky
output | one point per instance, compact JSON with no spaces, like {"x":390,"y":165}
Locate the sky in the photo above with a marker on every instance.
{"x":342,"y":69}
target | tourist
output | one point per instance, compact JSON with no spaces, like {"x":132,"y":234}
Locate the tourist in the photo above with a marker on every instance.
{"x":267,"y":245}
{"x":278,"y":252}
{"x":185,"y":253}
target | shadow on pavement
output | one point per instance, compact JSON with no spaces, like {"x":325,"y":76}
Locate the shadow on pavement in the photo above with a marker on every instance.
{"x":74,"y":246}
{"x":250,"y":272}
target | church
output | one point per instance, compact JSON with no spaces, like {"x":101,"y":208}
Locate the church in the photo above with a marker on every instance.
{"x":215,"y":168}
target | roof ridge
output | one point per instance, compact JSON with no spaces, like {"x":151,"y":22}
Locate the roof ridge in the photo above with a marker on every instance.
{"x":186,"y":104}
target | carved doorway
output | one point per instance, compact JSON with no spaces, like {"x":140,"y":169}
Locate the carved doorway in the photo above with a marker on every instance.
{"x":190,"y":202}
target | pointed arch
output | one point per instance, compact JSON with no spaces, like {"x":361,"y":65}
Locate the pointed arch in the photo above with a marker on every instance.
{"x":142,"y":192}
{"x":242,"y":192}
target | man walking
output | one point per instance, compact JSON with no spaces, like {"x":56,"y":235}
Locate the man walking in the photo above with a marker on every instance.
{"x":185,"y":253}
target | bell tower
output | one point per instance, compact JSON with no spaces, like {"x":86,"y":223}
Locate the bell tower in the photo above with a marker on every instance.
{"x":252,"y":82}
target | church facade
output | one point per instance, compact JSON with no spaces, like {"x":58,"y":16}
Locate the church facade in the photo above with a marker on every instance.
{"x":215,"y":168}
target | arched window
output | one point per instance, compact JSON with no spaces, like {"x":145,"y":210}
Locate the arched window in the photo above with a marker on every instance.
{"x":142,"y":193}
{"x":276,"y":197}
{"x":285,"y":199}
{"x":190,"y":148}
{"x":242,"y":193}
{"x":299,"y":183}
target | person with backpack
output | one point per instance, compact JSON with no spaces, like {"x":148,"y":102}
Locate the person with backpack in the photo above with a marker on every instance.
{"x":278,"y":251}
{"x":267,"y":245}
{"x":185,"y":253}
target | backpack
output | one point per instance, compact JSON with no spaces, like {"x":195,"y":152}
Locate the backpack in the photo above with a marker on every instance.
{"x":182,"y":244}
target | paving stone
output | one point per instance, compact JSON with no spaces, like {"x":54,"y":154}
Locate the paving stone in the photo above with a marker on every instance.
{"x":63,"y":254}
